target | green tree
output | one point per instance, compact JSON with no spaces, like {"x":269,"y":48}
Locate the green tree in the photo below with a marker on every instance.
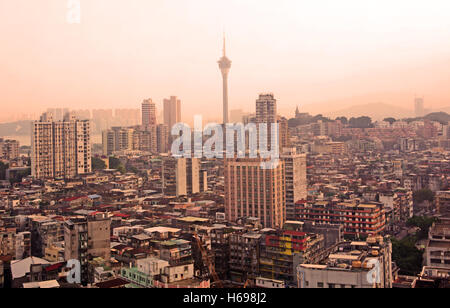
{"x":18,"y":176}
{"x":115,"y":163}
{"x":406,"y":255}
{"x":422,"y":222}
{"x":390,"y":120}
{"x":422,"y":195}
{"x":98,"y":164}
{"x":132,"y":169}
{"x":343,"y":120}
{"x":361,"y":122}
{"x":3,"y":168}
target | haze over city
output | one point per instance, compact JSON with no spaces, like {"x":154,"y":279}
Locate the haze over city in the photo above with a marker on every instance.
{"x":224,"y":152}
{"x":321,"y":55}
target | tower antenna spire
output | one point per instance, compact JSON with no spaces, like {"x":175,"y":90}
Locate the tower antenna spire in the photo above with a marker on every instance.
{"x":224,"y":45}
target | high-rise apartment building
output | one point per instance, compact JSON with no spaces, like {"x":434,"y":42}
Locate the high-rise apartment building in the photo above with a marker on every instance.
{"x":283,"y":133}
{"x":419,"y":107}
{"x":23,"y":245}
{"x":266,"y":108}
{"x":86,"y":238}
{"x":127,"y":117}
{"x":180,"y":176}
{"x":251,"y":191}
{"x":45,"y":232}
{"x":9,"y":149}
{"x":172,"y":111}
{"x":295,"y":177}
{"x":102,"y":119}
{"x":148,"y":113}
{"x":129,"y":139}
{"x":60,"y":149}
{"x":76,"y":245}
{"x":162,"y":138}
{"x":83,"y":147}
{"x":146,"y":140}
{"x":348,"y":214}
{"x":192,"y":176}
{"x":266,"y":112}
{"x":57,"y":114}
{"x":108,"y":142}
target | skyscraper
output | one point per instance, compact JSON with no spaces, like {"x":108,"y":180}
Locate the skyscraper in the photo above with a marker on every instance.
{"x":162,"y":138}
{"x":225,"y":65}
{"x":87,"y":237}
{"x":266,"y":109}
{"x":60,"y":149}
{"x":172,"y":112}
{"x":295,"y":177}
{"x":180,"y":176}
{"x":9,"y":149}
{"x":283,"y":134}
{"x":117,"y":139}
{"x":266,"y":112}
{"x":419,"y":107}
{"x":130,"y":139}
{"x":148,"y":113}
{"x":251,"y":191}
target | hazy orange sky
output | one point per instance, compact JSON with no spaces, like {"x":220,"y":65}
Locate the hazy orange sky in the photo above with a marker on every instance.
{"x":306,"y":52}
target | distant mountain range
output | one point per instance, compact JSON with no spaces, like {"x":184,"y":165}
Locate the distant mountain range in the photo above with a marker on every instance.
{"x":377,"y":111}
{"x":19,"y":128}
{"x":445,"y":109}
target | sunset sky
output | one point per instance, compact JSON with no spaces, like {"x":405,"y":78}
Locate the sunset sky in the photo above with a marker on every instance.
{"x":305,"y":52}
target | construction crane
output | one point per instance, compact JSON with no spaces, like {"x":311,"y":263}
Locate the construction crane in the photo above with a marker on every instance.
{"x":207,"y":262}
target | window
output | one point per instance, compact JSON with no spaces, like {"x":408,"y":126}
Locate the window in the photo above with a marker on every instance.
{"x":320,"y":284}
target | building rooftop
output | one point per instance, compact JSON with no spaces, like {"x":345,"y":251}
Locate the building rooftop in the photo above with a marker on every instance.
{"x":20,"y":268}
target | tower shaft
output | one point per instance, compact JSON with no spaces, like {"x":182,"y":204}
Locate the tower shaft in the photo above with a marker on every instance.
{"x":225,"y":98}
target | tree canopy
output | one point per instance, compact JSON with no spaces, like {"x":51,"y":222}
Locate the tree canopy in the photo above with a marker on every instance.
{"x":98,"y":164}
{"x":390,"y":120}
{"x":115,"y":163}
{"x":422,"y":195}
{"x":360,"y":122}
{"x":406,"y":255}
{"x":3,"y":168}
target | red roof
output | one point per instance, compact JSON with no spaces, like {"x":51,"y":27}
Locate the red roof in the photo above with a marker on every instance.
{"x":115,"y":283}
{"x":54,"y":267}
{"x":121,"y":215}
{"x":301,"y":202}
{"x":74,"y":198}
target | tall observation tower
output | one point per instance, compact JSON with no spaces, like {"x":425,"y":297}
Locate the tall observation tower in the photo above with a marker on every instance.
{"x":225,"y":65}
